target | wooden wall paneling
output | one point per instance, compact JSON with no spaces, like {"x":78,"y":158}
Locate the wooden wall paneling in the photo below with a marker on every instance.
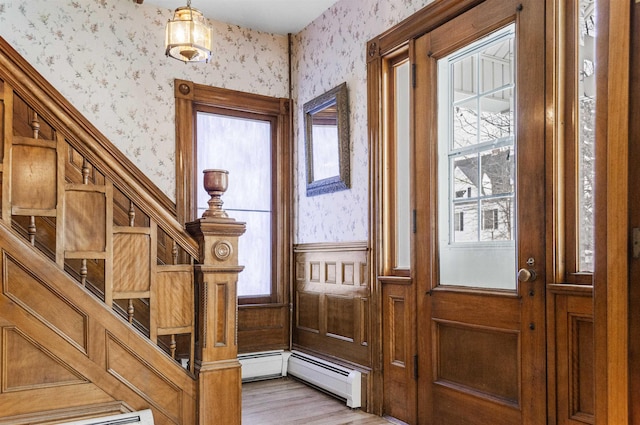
{"x":399,"y":335}
{"x":47,"y":314}
{"x":331,"y":308}
{"x":574,"y":346}
{"x":263,"y":327}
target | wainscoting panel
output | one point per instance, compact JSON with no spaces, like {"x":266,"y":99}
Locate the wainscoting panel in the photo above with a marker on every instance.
{"x":575,"y":347}
{"x":331,"y":311}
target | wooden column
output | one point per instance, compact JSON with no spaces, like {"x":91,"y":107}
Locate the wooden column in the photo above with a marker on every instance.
{"x":217,"y":365}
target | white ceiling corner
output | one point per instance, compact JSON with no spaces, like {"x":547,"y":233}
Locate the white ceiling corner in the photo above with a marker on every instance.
{"x":272,"y":16}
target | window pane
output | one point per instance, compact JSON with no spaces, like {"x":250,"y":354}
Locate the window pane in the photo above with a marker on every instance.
{"x":402,"y":166}
{"x":586,"y":134}
{"x":243,"y":147}
{"x":254,"y":253}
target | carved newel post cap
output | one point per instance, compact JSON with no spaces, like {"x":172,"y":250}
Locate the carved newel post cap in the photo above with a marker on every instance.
{"x":215,"y":183}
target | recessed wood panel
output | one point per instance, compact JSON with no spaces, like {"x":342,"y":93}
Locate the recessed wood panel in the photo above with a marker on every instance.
{"x":300,"y":270}
{"x":86,"y":215}
{"x":330,"y":272}
{"x":315,"y":272}
{"x":364,"y":321}
{"x":39,"y":300}
{"x":33,"y":175}
{"x":331,"y":306}
{"x":175,"y":298}
{"x":348,"y":273}
{"x":134,"y":372}
{"x":582,"y":399}
{"x":482,"y":360}
{"x":221,"y":302}
{"x":26,"y":365}
{"x":339,"y":314}
{"x":263,"y":327}
{"x":308,"y":311}
{"x":131,"y":262}
{"x":397,"y":328}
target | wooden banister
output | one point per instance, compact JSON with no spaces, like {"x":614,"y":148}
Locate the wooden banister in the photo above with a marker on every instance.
{"x":67,"y":192}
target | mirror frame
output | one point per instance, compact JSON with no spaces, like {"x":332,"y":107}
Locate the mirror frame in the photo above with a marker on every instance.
{"x":340,"y":181}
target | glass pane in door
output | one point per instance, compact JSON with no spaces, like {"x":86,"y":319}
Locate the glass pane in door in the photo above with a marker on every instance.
{"x":476,"y":164}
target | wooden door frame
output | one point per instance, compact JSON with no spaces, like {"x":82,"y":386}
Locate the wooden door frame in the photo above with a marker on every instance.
{"x":397,"y":37}
{"x":611,"y":277}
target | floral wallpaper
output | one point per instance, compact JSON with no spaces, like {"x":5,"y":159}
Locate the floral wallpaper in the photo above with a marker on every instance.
{"x":329,"y":51}
{"x":107,"y":58}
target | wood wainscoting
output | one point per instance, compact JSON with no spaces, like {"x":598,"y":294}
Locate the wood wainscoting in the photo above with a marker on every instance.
{"x":332,"y":296}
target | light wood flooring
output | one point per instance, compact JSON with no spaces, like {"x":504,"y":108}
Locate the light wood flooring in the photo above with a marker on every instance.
{"x":286,"y":401}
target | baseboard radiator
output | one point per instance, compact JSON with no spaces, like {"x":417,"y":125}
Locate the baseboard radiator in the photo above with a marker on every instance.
{"x":264,"y":365}
{"x":142,"y":417}
{"x":330,"y":377}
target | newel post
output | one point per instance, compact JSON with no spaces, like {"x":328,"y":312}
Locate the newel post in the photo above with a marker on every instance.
{"x":217,"y":365}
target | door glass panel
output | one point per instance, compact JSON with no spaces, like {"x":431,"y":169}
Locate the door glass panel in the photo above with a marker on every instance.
{"x":476,"y":164}
{"x":402,"y":180}
{"x":586,"y":132}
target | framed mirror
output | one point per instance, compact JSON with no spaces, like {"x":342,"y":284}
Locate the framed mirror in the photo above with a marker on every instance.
{"x":326,"y":122}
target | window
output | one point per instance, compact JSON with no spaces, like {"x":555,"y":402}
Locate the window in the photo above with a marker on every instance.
{"x":477,"y":140}
{"x":579,"y":141}
{"x":397,"y":157}
{"x":586,"y":133}
{"x":490,"y":219}
{"x":458,"y":222}
{"x":248,"y":135}
{"x":242,"y":146}
{"x":476,"y":163}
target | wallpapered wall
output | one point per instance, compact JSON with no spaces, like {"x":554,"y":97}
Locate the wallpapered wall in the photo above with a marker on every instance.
{"x":107,"y":58}
{"x":331,"y":50}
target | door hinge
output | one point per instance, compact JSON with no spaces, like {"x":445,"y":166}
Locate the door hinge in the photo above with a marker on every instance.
{"x":413,"y":75}
{"x":415,"y":367}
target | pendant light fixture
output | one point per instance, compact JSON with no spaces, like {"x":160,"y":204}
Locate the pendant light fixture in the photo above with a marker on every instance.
{"x":188,"y":38}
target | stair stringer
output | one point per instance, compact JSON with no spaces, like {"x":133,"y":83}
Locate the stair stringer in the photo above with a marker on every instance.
{"x":92,"y":356}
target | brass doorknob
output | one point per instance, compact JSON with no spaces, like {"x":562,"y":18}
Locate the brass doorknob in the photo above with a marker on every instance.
{"x":526,"y":275}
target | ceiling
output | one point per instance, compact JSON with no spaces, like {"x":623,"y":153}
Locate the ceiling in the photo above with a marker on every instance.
{"x":273,"y":16}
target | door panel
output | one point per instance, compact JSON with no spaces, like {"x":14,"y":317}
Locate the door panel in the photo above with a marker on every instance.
{"x":399,"y":336}
{"x":480,"y":216}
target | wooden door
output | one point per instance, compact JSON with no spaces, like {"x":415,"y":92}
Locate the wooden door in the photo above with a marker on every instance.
{"x":481,"y":216}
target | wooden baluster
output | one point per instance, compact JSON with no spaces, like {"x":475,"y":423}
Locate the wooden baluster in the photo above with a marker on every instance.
{"x":32,"y":230}
{"x":130,"y":310}
{"x":172,"y":346}
{"x":83,"y":272}
{"x":174,"y":252}
{"x":85,"y":171}
{"x":132,"y":214}
{"x":35,"y":125}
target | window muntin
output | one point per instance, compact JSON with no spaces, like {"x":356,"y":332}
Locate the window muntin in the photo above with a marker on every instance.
{"x":476,"y":164}
{"x":242,"y":146}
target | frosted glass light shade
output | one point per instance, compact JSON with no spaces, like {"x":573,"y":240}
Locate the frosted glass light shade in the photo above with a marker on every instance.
{"x":188,"y":38}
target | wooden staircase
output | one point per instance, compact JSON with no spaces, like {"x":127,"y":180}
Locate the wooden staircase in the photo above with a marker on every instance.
{"x":105,"y":304}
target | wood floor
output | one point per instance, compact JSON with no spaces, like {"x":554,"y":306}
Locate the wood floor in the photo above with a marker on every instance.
{"x":288,"y":402}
